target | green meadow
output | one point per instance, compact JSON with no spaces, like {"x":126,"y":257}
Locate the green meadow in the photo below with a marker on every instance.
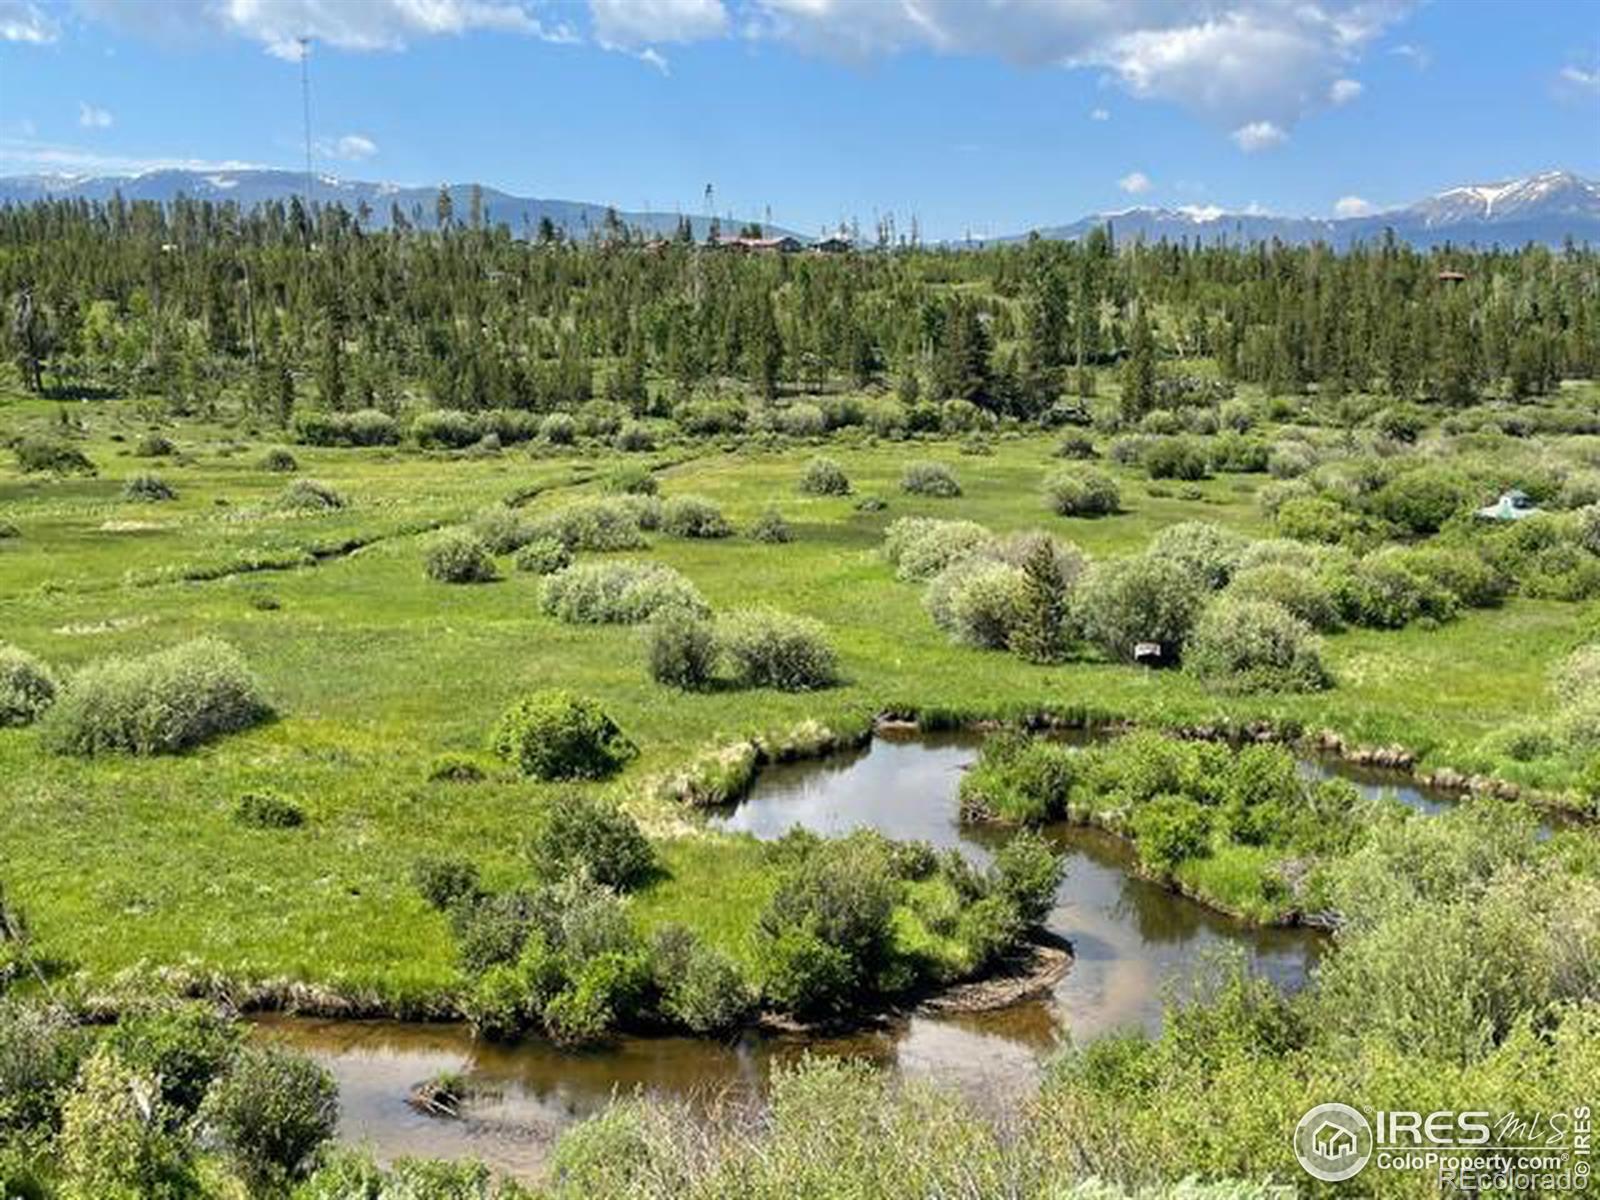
{"x":135,"y":864}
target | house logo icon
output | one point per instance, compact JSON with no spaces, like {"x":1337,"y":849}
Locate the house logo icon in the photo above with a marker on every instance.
{"x":1333,"y":1142}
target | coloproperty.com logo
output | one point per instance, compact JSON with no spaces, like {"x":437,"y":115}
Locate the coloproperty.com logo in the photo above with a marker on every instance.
{"x":1466,"y":1151}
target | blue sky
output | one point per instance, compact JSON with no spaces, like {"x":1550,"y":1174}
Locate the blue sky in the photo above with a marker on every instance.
{"x":988,"y":116}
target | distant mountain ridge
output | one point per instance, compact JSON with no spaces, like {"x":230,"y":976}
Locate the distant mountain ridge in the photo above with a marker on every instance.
{"x":251,"y":187}
{"x":1547,"y":208}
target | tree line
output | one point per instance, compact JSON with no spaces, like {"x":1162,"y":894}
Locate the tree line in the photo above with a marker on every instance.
{"x":288,"y":306}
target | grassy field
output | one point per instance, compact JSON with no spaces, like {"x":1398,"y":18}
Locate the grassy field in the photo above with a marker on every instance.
{"x":373,"y":670}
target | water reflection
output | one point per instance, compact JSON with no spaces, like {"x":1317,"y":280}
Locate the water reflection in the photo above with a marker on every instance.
{"x":1133,"y":942}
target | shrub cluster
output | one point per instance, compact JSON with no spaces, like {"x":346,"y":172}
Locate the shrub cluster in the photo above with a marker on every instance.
{"x":580,"y":833}
{"x":1080,"y":491}
{"x":27,"y":686}
{"x":280,"y":461}
{"x":38,"y":454}
{"x":694,"y":517}
{"x":772,"y":528}
{"x":554,"y":734}
{"x":929,"y":479}
{"x":267,"y":810}
{"x":1123,"y":602}
{"x":824,"y":477}
{"x":308,"y":495}
{"x":456,"y":556}
{"x":1241,"y":645}
{"x":920,"y":547}
{"x":159,"y":704}
{"x":543,"y":556}
{"x":365,"y":427}
{"x":768,"y":648}
{"x":620,"y":592}
{"x":501,"y":530}
{"x":681,"y":649}
{"x":600,"y":524}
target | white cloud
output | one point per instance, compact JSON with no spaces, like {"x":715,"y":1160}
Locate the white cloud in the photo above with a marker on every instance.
{"x":1258,"y":135}
{"x":625,"y":23}
{"x":343,"y":24}
{"x":1351,"y":206}
{"x":91,"y":117}
{"x":1234,"y":61}
{"x":25,"y":154}
{"x":1202,"y":212}
{"x":24,"y":21}
{"x":1099,"y":114}
{"x":1588,"y":80}
{"x":1419,"y":57}
{"x":1342,"y":91}
{"x":1135,"y":184}
{"x":352,"y":147}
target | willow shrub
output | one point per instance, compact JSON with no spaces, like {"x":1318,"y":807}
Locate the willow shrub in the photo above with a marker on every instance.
{"x":824,"y":477}
{"x":579,"y":832}
{"x":27,"y":686}
{"x":619,"y":592}
{"x":158,"y":704}
{"x":929,"y":479}
{"x":681,"y":649}
{"x":599,"y":524}
{"x":1080,"y":491}
{"x":693,"y":517}
{"x":1122,"y":602}
{"x":554,"y":734}
{"x":1241,"y":645}
{"x":456,"y":556}
{"x":768,"y":648}
{"x":921,"y":547}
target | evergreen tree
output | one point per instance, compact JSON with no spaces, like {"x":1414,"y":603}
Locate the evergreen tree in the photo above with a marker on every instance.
{"x":1040,"y":632}
{"x":1139,"y":370}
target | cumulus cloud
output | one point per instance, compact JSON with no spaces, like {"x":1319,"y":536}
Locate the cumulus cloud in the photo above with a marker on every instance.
{"x":1236,"y":61}
{"x":626,"y":23}
{"x":1135,"y":183}
{"x":1099,"y":114}
{"x":24,"y":21}
{"x":1342,"y":91}
{"x":91,"y":117}
{"x":352,"y":147}
{"x":1351,"y":206}
{"x":1258,"y":135}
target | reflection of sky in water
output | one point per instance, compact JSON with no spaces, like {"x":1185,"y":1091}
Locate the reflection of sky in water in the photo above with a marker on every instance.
{"x":1132,"y":942}
{"x":1131,"y":938}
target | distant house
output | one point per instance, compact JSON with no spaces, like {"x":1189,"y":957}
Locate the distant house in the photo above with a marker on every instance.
{"x":1451,"y":277}
{"x":762,"y":245}
{"x":1512,"y":506}
{"x":833,"y":244}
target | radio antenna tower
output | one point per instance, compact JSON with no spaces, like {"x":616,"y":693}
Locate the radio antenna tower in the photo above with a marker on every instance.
{"x":305,"y":104}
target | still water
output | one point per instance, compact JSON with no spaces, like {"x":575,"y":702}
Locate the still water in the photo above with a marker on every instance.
{"x":1132,"y":940}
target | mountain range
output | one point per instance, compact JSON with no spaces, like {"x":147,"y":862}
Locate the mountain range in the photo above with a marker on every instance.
{"x":249,"y":188}
{"x":1547,"y":208}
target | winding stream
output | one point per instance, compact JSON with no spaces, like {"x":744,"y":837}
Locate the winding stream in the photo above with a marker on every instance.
{"x":1132,"y":940}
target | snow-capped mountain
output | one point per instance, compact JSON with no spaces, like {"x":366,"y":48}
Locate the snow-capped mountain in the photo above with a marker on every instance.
{"x":1547,"y":208}
{"x":1559,"y":193}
